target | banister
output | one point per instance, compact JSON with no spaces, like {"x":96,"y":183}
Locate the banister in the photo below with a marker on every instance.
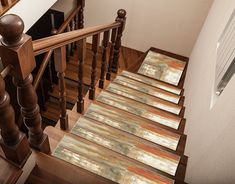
{"x":50,"y":43}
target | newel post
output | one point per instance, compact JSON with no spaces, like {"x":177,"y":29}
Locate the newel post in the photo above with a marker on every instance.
{"x":17,"y":50}
{"x":14,"y":143}
{"x":122,"y":19}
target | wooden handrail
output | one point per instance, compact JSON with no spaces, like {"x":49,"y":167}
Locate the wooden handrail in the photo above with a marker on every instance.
{"x":6,"y":5}
{"x":50,"y":43}
{"x":68,"y":20}
{"x":49,"y":53}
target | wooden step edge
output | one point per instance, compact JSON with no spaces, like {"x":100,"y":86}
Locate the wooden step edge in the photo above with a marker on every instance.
{"x":165,"y":83}
{"x":67,"y":172}
{"x":181,"y":121}
{"x":157,"y":81}
{"x":160,"y":101}
{"x":107,"y":84}
{"x":55,"y":94}
{"x":56,"y":135}
{"x":73,"y":117}
{"x":87,"y":101}
{"x":9,"y":174}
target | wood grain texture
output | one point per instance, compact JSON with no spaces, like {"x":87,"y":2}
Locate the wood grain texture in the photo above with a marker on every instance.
{"x":9,"y":174}
{"x":5,"y":5}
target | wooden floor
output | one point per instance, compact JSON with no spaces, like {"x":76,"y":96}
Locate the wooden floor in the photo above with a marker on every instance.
{"x":128,"y":58}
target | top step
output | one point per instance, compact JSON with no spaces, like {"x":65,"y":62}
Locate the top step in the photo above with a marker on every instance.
{"x":152,"y":82}
{"x":162,"y":67}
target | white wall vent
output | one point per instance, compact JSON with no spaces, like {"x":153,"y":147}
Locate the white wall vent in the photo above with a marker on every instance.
{"x":225,"y":63}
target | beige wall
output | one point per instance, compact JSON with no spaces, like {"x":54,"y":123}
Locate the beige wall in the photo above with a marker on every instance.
{"x":211,"y":133}
{"x":172,"y":25}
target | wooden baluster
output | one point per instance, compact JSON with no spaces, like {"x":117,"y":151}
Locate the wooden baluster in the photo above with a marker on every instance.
{"x":113,"y":38}
{"x":16,"y":49}
{"x":71,"y":25}
{"x":4,"y":3}
{"x":14,"y":143}
{"x":60,"y":66}
{"x":105,"y":43}
{"x":81,"y":60}
{"x":95,"y":47}
{"x":75,"y":28}
{"x":80,"y":25}
{"x":67,"y":46}
{"x":43,"y":97}
{"x":81,"y":14}
{"x":122,"y":19}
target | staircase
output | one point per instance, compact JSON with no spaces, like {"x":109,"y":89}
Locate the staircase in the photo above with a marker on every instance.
{"x":132,"y":132}
{"x":129,"y":127}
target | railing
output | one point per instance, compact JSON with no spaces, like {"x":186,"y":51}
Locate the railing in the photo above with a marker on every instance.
{"x":5,"y":5}
{"x":17,"y":53}
{"x":71,"y":23}
{"x":58,"y":43}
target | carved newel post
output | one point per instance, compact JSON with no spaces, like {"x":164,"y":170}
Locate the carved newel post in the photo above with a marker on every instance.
{"x":122,"y":19}
{"x":14,"y":143}
{"x":17,"y":50}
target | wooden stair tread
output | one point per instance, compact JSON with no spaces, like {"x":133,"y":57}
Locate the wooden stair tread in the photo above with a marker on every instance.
{"x":162,"y":67}
{"x":145,"y":88}
{"x":9,"y":174}
{"x":41,"y":176}
{"x":71,"y":93}
{"x":140,"y":109}
{"x":101,"y":161}
{"x":53,"y":111}
{"x":144,"y":98}
{"x":72,"y":73}
{"x":152,"y":82}
{"x":56,"y":171}
{"x":128,"y":115}
{"x":126,"y":144}
{"x":133,"y":126}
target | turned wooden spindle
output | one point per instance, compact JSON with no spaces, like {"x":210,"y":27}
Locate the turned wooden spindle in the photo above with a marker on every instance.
{"x":75,"y":21}
{"x":80,"y":25}
{"x":81,"y":14}
{"x":122,"y":19}
{"x":113,"y":38}
{"x":72,"y":28}
{"x":81,"y":60}
{"x":95,"y":47}
{"x":60,"y":67}
{"x":14,"y":143}
{"x":16,"y":49}
{"x":105,"y":43}
{"x":4,"y":3}
{"x":68,"y":45}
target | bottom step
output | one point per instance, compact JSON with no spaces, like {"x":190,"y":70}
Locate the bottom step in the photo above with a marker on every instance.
{"x":105,"y":164}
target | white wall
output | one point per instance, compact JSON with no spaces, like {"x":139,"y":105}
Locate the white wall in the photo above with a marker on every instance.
{"x":31,"y":10}
{"x":211,"y":133}
{"x":65,"y":6}
{"x":166,"y":24}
